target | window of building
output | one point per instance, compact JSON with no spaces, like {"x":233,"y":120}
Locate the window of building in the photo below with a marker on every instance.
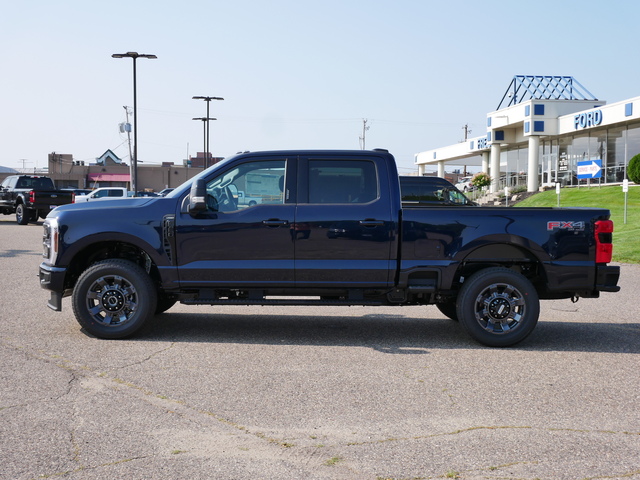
{"x":616,"y":154}
{"x":633,"y":142}
{"x":516,"y":168}
{"x":579,"y":153}
{"x":598,"y":151}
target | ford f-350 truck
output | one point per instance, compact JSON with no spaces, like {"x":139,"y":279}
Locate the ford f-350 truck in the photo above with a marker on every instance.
{"x":329,"y":229}
{"x":30,"y":197}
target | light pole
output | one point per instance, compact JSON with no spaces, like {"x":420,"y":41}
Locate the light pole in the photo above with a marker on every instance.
{"x":205,"y":134}
{"x":134,"y":160}
{"x":206,"y":120}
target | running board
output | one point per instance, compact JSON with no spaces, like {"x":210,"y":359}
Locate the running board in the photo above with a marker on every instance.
{"x":277,"y":301}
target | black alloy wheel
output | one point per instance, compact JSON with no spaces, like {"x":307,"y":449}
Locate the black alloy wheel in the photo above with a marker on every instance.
{"x":498,"y":307}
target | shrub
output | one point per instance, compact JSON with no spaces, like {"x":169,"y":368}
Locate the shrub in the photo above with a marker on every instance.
{"x":480,"y":180}
{"x":633,"y":169}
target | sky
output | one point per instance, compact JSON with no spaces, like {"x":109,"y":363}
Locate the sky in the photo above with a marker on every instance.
{"x":293,"y":74}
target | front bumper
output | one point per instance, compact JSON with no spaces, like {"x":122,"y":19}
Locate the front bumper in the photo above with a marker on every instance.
{"x":52,"y":278}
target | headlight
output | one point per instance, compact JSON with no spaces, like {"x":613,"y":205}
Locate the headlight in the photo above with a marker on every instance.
{"x":50,"y":240}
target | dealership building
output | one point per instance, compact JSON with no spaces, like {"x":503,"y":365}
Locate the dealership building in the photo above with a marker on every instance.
{"x":548,"y":130}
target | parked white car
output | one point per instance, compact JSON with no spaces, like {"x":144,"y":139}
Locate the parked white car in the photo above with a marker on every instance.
{"x":105,"y":193}
{"x":464,"y":184}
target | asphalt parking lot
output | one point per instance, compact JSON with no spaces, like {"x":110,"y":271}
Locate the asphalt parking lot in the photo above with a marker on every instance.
{"x":300,"y":393}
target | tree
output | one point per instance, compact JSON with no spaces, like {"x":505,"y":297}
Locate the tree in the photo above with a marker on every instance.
{"x":633,"y":169}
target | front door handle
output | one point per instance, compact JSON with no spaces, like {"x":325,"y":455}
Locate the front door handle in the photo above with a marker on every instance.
{"x":275,"y":222}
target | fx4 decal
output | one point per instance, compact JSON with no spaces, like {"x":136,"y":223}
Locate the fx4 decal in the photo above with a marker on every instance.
{"x":565,"y":225}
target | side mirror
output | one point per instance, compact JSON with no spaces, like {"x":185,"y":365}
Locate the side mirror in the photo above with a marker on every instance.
{"x":198,"y":197}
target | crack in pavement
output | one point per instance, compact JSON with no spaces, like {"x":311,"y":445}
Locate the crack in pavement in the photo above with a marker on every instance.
{"x":239,"y":440}
{"x":242,"y":441}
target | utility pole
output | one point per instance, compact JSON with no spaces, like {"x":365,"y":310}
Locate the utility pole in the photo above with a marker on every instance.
{"x":466,"y":136}
{"x":364,"y":134}
{"x":467,"y":131}
{"x":128,"y":130}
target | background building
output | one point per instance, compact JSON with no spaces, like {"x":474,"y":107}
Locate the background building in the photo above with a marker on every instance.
{"x":548,"y":130}
{"x":110,"y":171}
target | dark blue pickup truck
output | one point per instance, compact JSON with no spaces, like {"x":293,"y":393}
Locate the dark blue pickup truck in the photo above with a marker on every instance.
{"x":320,"y":228}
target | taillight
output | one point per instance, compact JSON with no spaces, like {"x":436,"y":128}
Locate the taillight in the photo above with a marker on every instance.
{"x":32,"y":196}
{"x":604,"y":241}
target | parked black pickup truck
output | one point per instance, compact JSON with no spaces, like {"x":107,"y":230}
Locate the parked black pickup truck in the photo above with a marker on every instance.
{"x":30,"y":197}
{"x":418,"y":191}
{"x":327,"y":228}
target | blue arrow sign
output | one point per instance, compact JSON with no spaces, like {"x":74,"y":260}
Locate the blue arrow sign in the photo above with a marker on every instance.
{"x":590,"y":169}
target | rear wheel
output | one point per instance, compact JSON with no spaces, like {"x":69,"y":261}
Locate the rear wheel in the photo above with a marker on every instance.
{"x":498,"y":307}
{"x":114,"y":298}
{"x":23,"y":214}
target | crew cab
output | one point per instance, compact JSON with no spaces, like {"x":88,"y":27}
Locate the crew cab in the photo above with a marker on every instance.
{"x":30,"y":197}
{"x":330,"y":229}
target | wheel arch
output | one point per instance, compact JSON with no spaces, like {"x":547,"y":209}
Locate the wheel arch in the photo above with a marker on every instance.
{"x":505,"y":254}
{"x":83,"y":256}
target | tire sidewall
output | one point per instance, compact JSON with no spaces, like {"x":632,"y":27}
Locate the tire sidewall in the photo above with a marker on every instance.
{"x":22,"y":214}
{"x":474,"y":286}
{"x":132,"y":273}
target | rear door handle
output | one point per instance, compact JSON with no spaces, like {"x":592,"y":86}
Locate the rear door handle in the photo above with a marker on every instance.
{"x":371,"y":222}
{"x":275,"y":222}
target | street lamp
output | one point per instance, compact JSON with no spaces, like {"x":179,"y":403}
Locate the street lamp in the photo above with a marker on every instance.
{"x":134,"y":160}
{"x":205,"y":133}
{"x":206,"y":121}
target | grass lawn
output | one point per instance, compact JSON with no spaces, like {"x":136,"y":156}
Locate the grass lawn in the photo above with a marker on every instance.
{"x":626,"y":237}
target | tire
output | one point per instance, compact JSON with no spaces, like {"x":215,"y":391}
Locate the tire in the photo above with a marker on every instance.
{"x":498,"y":307}
{"x":448,"y":309}
{"x":23,"y":215}
{"x":114,"y":298}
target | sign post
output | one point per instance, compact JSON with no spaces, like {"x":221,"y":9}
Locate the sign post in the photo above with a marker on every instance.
{"x":625,"y":189}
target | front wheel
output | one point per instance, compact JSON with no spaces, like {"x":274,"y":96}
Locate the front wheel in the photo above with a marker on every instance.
{"x":498,"y":307}
{"x":114,"y":298}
